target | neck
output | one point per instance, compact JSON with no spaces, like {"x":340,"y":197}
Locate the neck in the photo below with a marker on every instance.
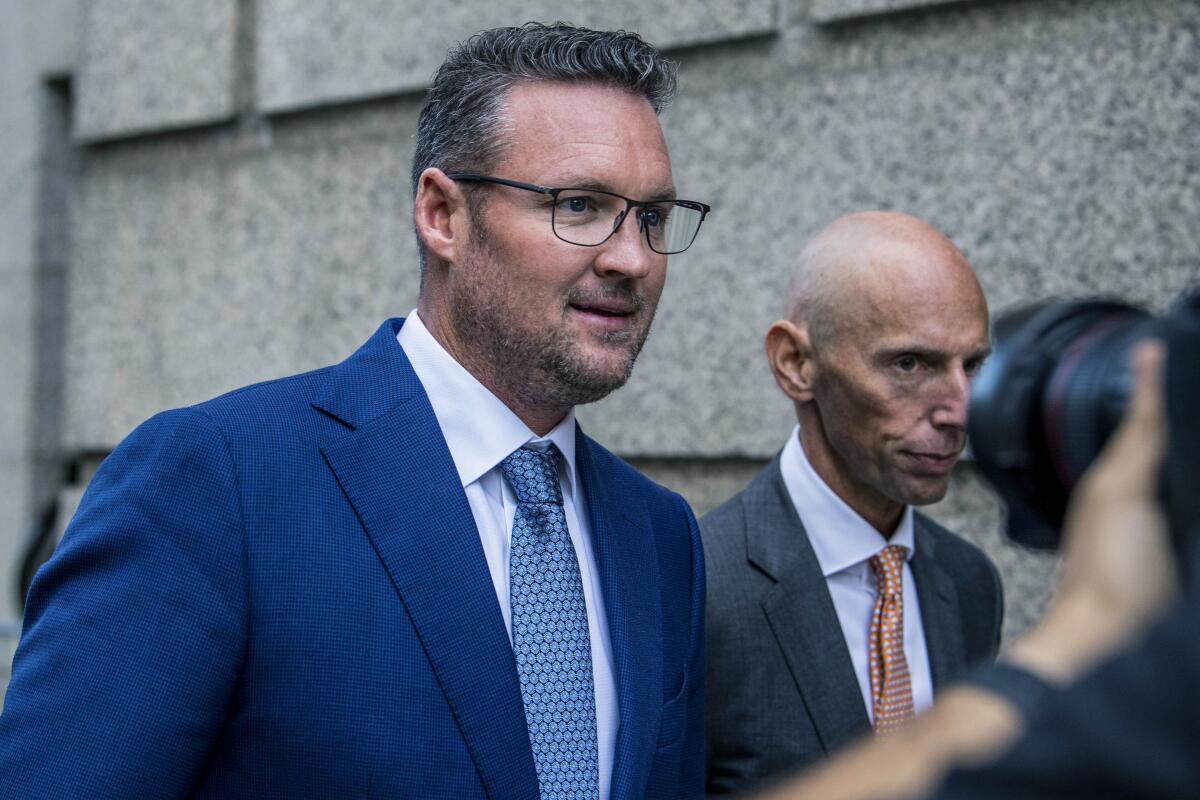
{"x":539,"y":417}
{"x":540,"y":421}
{"x":881,"y":513}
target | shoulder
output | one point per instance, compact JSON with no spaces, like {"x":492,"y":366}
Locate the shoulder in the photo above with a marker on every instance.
{"x":208,"y":451}
{"x":268,"y":403}
{"x":729,"y":516}
{"x":949,"y":548}
{"x":725,"y":528}
{"x":223,"y":440}
{"x":723,"y":531}
{"x":175,"y":446}
{"x":967,"y":565}
{"x":976,"y":582}
{"x":623,"y":480}
{"x":259,"y":423}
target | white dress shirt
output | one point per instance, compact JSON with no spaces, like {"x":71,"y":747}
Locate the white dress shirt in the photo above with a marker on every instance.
{"x":844,"y":543}
{"x":481,"y":431}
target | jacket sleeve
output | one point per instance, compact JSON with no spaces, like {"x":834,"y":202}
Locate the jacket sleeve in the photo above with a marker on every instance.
{"x":997,"y":593}
{"x":1129,"y":729}
{"x":135,"y":630}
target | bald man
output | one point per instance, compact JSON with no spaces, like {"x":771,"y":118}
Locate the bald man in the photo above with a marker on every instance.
{"x":833,"y":607}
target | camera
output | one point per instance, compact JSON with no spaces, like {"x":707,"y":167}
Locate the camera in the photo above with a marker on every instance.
{"x":1055,"y":388}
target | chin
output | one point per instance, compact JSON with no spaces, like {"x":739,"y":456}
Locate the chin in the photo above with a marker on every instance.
{"x":596,"y":384}
{"x":929,"y":495}
{"x":579,"y":378}
{"x":608,"y":361}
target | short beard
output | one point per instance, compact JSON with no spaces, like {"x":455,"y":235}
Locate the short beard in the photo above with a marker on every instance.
{"x":538,"y":368}
{"x":572,"y":380}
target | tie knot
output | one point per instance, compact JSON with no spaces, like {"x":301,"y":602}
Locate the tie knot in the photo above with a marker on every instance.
{"x":533,"y":474}
{"x":888,"y":564}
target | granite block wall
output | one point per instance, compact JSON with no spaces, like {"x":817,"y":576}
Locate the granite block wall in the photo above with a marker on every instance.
{"x":1053,"y":141}
{"x":37,"y":47}
{"x":153,"y":64}
{"x":18,"y":202}
{"x":303,"y":44}
{"x":225,"y":260}
{"x":241,"y":209}
{"x":834,"y":10}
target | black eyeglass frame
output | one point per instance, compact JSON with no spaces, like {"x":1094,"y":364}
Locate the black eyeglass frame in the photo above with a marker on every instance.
{"x":630,"y":204}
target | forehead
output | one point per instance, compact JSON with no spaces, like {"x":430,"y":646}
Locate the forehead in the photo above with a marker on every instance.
{"x":916,"y":298}
{"x":950,"y":332}
{"x":560,"y":132}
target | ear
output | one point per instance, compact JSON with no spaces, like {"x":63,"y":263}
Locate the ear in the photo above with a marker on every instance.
{"x":440,"y":214}
{"x":789,"y":353}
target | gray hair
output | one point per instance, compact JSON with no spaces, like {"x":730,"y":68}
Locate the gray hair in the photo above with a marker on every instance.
{"x":462,"y":127}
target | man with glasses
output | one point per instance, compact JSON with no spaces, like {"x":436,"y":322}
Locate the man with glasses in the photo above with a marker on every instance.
{"x":410,"y":574}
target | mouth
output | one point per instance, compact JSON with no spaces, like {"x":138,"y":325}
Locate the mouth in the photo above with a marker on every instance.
{"x":607,"y":313}
{"x":932,"y":463}
{"x":603,"y":309}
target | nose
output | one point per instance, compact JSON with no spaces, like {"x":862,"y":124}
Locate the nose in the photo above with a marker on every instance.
{"x":627,"y":252}
{"x":953,"y":400}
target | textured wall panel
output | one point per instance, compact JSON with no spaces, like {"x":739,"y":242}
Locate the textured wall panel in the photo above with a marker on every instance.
{"x":311,"y":51}
{"x":207,"y":262}
{"x":36,"y":41}
{"x":834,"y":10}
{"x":1055,"y":142}
{"x":17,"y":454}
{"x":154,"y":64}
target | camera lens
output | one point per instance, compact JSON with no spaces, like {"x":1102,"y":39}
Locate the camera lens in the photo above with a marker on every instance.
{"x":1045,"y":402}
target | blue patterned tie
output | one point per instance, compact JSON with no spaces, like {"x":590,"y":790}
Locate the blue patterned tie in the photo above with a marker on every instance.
{"x":550,"y":631}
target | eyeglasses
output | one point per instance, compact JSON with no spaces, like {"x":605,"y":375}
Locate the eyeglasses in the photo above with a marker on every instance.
{"x":589,"y":217}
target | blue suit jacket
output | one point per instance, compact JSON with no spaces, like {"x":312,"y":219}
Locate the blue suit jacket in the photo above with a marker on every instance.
{"x":282,"y":593}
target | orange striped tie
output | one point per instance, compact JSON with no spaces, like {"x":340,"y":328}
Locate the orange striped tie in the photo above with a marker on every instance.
{"x":891,"y":688}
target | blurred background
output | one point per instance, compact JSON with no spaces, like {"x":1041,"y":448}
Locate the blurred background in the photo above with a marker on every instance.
{"x":195,"y":196}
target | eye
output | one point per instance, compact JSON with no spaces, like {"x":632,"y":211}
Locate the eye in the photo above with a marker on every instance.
{"x":653,"y":217}
{"x":972,"y":366}
{"x":575,"y":205}
{"x":908,"y":363}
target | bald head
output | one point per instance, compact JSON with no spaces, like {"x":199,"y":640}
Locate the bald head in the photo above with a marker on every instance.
{"x":886,"y":327}
{"x":861,"y":265}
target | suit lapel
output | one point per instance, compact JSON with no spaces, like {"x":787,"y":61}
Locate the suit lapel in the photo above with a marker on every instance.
{"x":939,"y":608}
{"x":628,"y":566}
{"x":397,"y":473}
{"x":801,"y":613}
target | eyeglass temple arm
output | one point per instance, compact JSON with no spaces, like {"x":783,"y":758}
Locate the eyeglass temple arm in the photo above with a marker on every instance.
{"x":472,"y":176}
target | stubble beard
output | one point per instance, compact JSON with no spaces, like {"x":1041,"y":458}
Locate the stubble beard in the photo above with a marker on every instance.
{"x":540,"y":367}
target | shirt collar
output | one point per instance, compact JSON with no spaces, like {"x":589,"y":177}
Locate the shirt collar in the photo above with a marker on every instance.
{"x":840,"y":537}
{"x":480,"y":430}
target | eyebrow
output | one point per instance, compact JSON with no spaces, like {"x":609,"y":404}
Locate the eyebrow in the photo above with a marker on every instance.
{"x":662,"y":194}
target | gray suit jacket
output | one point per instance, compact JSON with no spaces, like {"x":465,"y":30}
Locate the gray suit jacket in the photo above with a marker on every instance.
{"x":781,"y":686}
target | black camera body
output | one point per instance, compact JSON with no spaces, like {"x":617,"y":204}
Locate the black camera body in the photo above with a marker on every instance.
{"x":1055,"y":388}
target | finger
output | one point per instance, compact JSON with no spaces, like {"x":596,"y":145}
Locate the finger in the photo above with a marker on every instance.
{"x":1148,"y":361}
{"x":1136,"y":448}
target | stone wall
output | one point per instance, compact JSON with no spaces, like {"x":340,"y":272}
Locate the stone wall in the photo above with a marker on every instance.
{"x":242,"y":208}
{"x":38,"y":43}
